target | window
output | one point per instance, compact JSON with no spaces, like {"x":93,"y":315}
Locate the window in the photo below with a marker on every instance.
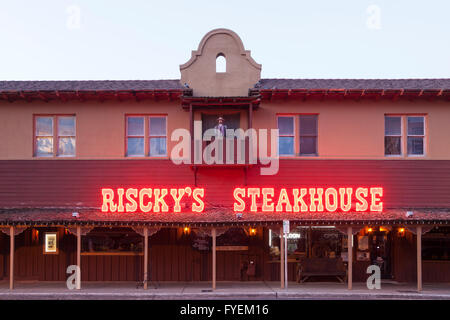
{"x":392,"y":135}
{"x":399,"y":137}
{"x":286,"y":135}
{"x":101,"y":241}
{"x":307,"y":135}
{"x":158,"y":133}
{"x":416,"y":135}
{"x":221,"y":63}
{"x":55,"y":136}
{"x":146,"y":136}
{"x":436,"y":244}
{"x":135,"y":137}
{"x":312,"y":242}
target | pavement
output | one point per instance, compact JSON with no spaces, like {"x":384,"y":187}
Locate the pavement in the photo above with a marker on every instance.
{"x":224,"y":291}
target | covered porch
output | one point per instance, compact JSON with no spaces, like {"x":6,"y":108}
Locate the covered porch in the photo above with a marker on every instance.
{"x":215,"y":260}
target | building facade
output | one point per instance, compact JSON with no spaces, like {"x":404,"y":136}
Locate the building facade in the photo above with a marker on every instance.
{"x":100,"y":175}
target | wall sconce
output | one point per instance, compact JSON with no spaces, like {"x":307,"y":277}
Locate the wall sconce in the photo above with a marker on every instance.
{"x":252,"y":232}
{"x":186,"y":230}
{"x":35,"y":235}
{"x":401,"y":232}
{"x":370,"y":230}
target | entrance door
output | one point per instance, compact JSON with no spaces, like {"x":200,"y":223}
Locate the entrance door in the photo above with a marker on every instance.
{"x":380,"y":252}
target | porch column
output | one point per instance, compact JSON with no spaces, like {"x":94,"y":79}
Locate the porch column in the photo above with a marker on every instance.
{"x":78,"y":280}
{"x":350,"y":257}
{"x":145,"y":257}
{"x":419,"y":258}
{"x":282,"y":258}
{"x":11,"y":258}
{"x":213,"y":234}
{"x":191,"y":130}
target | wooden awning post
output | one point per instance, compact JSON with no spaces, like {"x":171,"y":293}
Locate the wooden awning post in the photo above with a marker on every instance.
{"x":350,"y":257}
{"x":78,"y":279}
{"x":419,"y":258}
{"x":191,"y":130}
{"x":145,"y":257}
{"x":282,"y":258}
{"x":11,"y":258}
{"x":213,"y":235}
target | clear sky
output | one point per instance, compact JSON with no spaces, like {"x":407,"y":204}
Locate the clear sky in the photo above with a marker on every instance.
{"x":131,"y":39}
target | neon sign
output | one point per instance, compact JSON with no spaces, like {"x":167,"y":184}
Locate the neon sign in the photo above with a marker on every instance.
{"x":151,"y":199}
{"x":251,"y":199}
{"x":308,"y":199}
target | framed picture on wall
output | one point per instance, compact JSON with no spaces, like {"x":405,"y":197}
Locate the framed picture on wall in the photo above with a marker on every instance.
{"x":50,"y":243}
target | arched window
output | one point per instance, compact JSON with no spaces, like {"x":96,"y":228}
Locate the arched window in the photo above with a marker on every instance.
{"x":221,"y":63}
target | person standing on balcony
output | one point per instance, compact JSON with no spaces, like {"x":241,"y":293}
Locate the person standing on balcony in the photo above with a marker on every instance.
{"x":221,"y":128}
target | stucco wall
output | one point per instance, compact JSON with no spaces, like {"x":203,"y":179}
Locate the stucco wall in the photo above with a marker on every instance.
{"x":346,"y":129}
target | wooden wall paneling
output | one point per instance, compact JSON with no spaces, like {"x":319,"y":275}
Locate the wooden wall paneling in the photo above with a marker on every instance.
{"x":122,"y":268}
{"x":174,"y":262}
{"x":100,"y":262}
{"x":107,"y":272}
{"x":115,"y":261}
{"x":79,"y":181}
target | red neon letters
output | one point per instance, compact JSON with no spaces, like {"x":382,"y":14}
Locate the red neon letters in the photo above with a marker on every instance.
{"x":245,"y":199}
{"x":151,"y":199}
{"x":308,"y":200}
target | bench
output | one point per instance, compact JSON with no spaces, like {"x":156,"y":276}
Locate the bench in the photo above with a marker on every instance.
{"x":317,"y":267}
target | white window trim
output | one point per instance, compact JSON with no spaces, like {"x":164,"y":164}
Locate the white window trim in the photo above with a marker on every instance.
{"x":156,"y":136}
{"x":414,"y":135}
{"x":284,"y":135}
{"x":134,"y":136}
{"x":393,"y":135}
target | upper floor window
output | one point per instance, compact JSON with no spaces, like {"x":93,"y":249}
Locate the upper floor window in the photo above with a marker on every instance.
{"x":55,"y":136}
{"x":146,"y":136}
{"x":404,"y":133}
{"x":416,"y":135}
{"x":286,"y":134}
{"x":221,"y":63}
{"x":306,"y":135}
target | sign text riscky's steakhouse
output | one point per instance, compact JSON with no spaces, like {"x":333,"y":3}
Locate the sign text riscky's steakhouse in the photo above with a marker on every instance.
{"x":248,"y":199}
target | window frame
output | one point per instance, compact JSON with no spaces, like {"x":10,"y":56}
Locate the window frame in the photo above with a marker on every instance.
{"x":297,"y":135}
{"x":146,"y":136}
{"x":402,"y":151}
{"x":294,"y":130}
{"x":134,"y":136}
{"x":55,"y":135}
{"x":404,"y":135}
{"x":414,"y":135}
{"x":316,"y":154}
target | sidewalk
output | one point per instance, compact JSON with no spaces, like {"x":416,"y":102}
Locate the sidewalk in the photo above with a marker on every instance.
{"x":225,"y":290}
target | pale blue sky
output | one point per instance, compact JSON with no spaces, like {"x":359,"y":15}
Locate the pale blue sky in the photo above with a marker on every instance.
{"x":41,"y":40}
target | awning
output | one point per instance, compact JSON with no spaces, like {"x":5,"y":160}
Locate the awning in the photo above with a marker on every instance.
{"x":218,"y":217}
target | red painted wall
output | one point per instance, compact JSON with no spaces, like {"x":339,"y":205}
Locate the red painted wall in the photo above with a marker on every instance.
{"x":34,"y":183}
